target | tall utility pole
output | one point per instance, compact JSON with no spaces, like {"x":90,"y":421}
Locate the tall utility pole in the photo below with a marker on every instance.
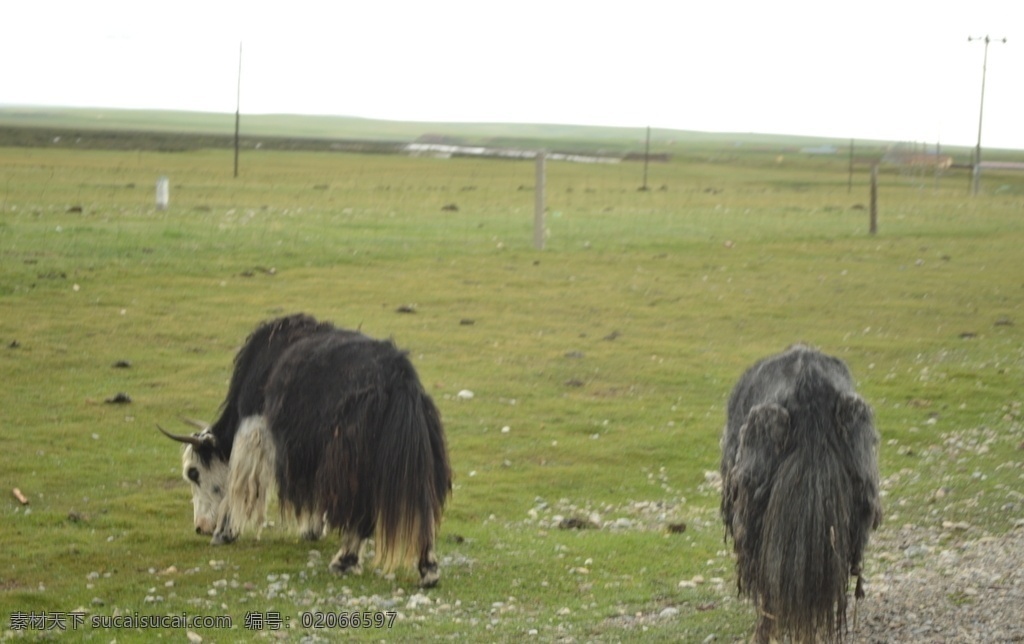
{"x":647,"y":154}
{"x":238,"y":106}
{"x":976,"y":174}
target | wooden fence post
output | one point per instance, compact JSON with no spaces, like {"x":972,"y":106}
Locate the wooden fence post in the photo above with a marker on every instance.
{"x":873,"y":228}
{"x":538,"y":205}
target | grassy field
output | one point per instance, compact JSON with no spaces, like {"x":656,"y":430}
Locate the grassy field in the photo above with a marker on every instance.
{"x":599,"y":366}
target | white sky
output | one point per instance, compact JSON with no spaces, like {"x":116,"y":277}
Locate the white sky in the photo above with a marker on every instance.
{"x":887,"y":69}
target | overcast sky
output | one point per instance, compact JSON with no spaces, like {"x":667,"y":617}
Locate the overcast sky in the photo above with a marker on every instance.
{"x":887,"y":69}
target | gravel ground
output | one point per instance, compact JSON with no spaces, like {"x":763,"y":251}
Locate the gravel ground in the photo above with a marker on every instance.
{"x":929,"y":586}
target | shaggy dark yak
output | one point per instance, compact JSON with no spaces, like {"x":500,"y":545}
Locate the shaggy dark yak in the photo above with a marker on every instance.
{"x":339,"y":423}
{"x":799,"y":492}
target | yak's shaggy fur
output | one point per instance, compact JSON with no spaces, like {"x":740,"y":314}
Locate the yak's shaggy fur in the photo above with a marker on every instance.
{"x":800,"y":491}
{"x":339,"y":423}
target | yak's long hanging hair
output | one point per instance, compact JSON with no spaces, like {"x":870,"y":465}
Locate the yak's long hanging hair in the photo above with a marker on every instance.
{"x":378,"y":465}
{"x":800,"y":491}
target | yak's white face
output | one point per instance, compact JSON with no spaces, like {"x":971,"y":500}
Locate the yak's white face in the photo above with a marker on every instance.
{"x":209,"y":484}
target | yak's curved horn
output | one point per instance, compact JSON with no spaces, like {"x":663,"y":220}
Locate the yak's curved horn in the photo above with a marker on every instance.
{"x":194,"y":423}
{"x":194,"y":441}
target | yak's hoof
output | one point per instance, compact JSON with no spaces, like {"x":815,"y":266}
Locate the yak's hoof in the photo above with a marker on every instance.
{"x":312,"y":535}
{"x":347,"y":565}
{"x":429,"y":575}
{"x":222,"y":538}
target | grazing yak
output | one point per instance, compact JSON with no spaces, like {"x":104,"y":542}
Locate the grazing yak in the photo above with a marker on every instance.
{"x":799,"y":492}
{"x":340,"y":424}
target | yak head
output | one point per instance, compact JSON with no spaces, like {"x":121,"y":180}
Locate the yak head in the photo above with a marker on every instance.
{"x":206,"y":470}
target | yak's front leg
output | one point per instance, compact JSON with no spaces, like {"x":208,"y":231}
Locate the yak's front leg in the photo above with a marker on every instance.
{"x":349,"y":560}
{"x":250,"y":478}
{"x":311,"y":526}
{"x":223,"y":533}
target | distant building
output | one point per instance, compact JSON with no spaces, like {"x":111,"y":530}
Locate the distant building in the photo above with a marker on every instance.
{"x":926,"y":160}
{"x":820,"y":149}
{"x":914,"y":156}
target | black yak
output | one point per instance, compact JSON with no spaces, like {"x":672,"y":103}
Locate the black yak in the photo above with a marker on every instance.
{"x":340,"y":424}
{"x":799,"y":491}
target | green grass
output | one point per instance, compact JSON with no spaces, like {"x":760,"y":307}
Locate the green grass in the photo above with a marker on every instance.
{"x":609,"y":356}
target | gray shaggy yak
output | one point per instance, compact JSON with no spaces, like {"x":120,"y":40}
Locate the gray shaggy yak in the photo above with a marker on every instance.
{"x":799,"y":492}
{"x":340,"y":425}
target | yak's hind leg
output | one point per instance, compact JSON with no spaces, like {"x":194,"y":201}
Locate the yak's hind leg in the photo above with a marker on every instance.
{"x":430,"y":573}
{"x":249,"y":481}
{"x":349,"y":560}
{"x":763,"y":632}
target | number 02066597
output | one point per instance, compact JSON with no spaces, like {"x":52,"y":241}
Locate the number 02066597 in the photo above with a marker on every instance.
{"x":364,"y":619}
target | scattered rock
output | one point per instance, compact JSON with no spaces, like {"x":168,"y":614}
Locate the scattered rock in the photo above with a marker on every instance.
{"x":258,"y":269}
{"x":577,"y":523}
{"x":972,"y":593}
{"x":122,"y":364}
{"x":406,"y":308}
{"x":120,"y":398}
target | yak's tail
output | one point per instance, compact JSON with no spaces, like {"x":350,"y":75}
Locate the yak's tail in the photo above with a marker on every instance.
{"x":412,"y":475}
{"x":803,"y":567}
{"x":808,"y":521}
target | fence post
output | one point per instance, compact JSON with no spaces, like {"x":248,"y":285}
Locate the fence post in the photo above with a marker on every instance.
{"x":538,"y":206}
{"x":163,"y":193}
{"x":873,"y":228}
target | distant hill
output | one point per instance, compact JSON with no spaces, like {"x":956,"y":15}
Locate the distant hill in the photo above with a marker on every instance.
{"x":127,"y":128}
{"x":165,"y":130}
